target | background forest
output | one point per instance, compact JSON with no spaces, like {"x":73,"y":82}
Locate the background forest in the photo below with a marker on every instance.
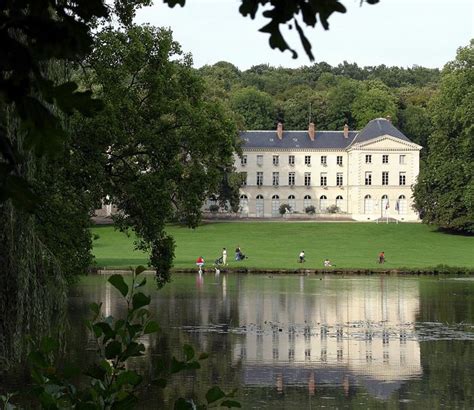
{"x":328,"y":96}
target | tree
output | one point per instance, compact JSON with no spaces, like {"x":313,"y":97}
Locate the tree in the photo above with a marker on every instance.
{"x":163,"y":148}
{"x":444,"y":194}
{"x":374,"y":102}
{"x":256,"y":108}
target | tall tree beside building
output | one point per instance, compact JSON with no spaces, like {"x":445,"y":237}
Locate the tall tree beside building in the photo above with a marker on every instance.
{"x":444,"y":194}
{"x":163,"y":147}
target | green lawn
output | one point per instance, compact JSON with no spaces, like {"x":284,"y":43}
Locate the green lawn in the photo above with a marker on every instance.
{"x":277,"y":245}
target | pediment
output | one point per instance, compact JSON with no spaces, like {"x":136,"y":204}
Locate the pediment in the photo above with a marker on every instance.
{"x":386,"y":142}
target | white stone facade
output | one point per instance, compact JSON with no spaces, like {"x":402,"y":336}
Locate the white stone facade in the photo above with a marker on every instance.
{"x":366,"y":177}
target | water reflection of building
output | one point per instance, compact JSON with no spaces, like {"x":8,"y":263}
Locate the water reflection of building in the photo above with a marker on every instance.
{"x":361,"y":329}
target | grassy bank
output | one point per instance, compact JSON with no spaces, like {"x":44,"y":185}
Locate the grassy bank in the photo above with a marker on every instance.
{"x":277,"y":245}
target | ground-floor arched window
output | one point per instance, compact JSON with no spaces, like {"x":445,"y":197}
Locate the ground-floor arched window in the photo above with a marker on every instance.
{"x":292,"y":203}
{"x":368,"y":205}
{"x":323,"y":203}
{"x":339,"y":202}
{"x":259,"y":206}
{"x":244,"y":205}
{"x":402,"y":205}
{"x":307,"y":202}
{"x":275,"y":205}
{"x":384,"y":205}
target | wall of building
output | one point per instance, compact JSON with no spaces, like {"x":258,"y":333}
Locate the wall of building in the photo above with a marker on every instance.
{"x":392,"y":200}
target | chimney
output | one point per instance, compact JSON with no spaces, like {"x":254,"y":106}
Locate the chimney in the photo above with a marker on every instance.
{"x":346,"y":130}
{"x":389,"y":119}
{"x":280,"y":130}
{"x":311,"y":131}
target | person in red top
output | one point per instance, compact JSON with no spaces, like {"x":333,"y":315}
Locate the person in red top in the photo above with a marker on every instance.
{"x":200,"y":263}
{"x":382,"y":257}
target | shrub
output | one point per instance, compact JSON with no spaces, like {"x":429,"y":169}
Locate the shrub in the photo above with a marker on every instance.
{"x":333,"y":209}
{"x":284,"y":208}
{"x":214,"y":208}
{"x":311,"y":210}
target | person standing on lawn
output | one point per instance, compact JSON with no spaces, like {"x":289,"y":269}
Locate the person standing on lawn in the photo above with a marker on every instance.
{"x":224,"y":256}
{"x":382,"y":257}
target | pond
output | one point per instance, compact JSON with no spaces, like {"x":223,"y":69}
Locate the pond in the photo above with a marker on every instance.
{"x":297,"y":342}
{"x":302,"y":342}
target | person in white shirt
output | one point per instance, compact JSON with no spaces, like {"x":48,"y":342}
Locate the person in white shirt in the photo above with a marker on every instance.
{"x":224,"y":256}
{"x":302,"y":257}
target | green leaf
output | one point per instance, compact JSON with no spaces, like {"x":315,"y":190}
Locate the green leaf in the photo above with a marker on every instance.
{"x":162,"y":383}
{"x":214,"y":394}
{"x":139,"y":300}
{"x":188,"y":352}
{"x":118,"y":283}
{"x":139,"y":269}
{"x":151,"y":327}
{"x":230,"y":403}
{"x":37,"y":359}
{"x":129,"y":377}
{"x":96,"y":372}
{"x":113,"y":349}
{"x":141,"y":283}
{"x":95,"y":308}
{"x":177,"y":365}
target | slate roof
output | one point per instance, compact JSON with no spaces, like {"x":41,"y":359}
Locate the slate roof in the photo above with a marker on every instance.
{"x":322,"y":139}
{"x":377,"y":128}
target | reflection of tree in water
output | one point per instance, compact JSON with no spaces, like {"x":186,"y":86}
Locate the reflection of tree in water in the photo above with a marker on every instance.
{"x":32,"y":289}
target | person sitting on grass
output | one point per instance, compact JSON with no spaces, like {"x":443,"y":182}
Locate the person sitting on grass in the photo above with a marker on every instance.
{"x":302,"y":257}
{"x":327,"y":263}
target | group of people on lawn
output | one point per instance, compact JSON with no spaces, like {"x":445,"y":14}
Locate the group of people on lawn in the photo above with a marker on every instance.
{"x":239,"y":256}
{"x":222,"y":260}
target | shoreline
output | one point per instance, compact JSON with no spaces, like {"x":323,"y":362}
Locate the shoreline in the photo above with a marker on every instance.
{"x":441,"y":270}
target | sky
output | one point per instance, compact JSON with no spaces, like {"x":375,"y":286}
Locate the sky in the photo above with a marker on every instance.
{"x":393,"y":32}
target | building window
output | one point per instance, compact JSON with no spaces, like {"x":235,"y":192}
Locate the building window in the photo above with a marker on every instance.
{"x":275,"y":205}
{"x":259,"y":206}
{"x":260,"y":160}
{"x":323,"y":203}
{"x":307,"y":202}
{"x":291,"y":160}
{"x":276,"y":179}
{"x":244,"y":205}
{"x":368,"y":159}
{"x":324,"y":179}
{"x":402,"y":159}
{"x":339,"y":180}
{"x":324,"y":160}
{"x":401,"y":205}
{"x":339,"y":202}
{"x":368,"y":205}
{"x":384,"y":159}
{"x":259,"y":178}
{"x":307,"y":160}
{"x":292,"y":203}
{"x":368,"y":178}
{"x":385,"y":204}
{"x":243,"y":160}
{"x":402,"y":178}
{"x":307,"y":178}
{"x":339,"y":160}
{"x":243,"y":175}
{"x":291,"y":178}
{"x":385,"y":178}
{"x":276,"y":160}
